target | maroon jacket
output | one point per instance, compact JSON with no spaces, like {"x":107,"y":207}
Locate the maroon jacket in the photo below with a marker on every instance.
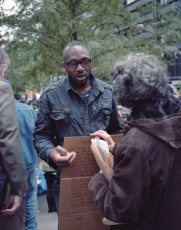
{"x":142,"y":162}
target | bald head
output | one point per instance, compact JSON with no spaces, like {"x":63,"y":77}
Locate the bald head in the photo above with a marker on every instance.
{"x":72,"y":44}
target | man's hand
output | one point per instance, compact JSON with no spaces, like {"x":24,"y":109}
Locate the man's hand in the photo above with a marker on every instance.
{"x":61,"y":157}
{"x":105,"y":136}
{"x":12,"y":206}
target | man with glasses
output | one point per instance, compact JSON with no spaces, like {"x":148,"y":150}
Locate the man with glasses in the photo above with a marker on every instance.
{"x":76,"y":106}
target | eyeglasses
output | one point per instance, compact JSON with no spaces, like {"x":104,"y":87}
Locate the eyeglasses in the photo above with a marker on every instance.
{"x":74,"y":64}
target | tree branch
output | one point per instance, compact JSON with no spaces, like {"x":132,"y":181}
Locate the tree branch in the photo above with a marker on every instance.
{"x":47,"y":45}
{"x":107,"y":51}
{"x":65,"y":2}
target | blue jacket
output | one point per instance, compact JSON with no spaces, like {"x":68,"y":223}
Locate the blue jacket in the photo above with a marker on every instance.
{"x":62,"y":112}
{"x":26,"y":119}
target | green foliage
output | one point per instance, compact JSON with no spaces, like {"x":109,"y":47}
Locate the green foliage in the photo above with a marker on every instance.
{"x":39,"y":30}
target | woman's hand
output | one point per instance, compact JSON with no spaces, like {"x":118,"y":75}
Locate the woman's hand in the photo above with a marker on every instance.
{"x":105,"y":136}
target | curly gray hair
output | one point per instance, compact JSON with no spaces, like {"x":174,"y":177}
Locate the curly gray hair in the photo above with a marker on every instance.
{"x":139,"y":78}
{"x":4,"y":59}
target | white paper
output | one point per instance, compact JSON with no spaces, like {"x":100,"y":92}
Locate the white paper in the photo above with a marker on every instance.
{"x":101,"y":143}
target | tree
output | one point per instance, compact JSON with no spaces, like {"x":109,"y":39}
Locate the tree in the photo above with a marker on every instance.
{"x":40,"y":29}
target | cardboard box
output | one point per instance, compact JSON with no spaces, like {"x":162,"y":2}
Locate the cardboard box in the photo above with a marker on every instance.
{"x":77,"y":210}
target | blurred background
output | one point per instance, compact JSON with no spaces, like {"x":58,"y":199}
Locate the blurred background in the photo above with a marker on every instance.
{"x":34,"y":33}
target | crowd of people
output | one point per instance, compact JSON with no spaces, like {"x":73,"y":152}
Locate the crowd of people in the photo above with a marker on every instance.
{"x":83,"y":105}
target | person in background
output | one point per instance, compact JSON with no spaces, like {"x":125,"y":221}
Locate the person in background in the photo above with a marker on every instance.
{"x":171,"y":89}
{"x":144,"y":157}
{"x":5,"y":80}
{"x":179,"y":98}
{"x":26,"y":120}
{"x":12,"y":215}
{"x":50,"y":176}
{"x":76,"y":106}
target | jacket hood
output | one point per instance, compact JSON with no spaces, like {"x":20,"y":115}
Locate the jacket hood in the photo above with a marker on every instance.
{"x":167,"y":128}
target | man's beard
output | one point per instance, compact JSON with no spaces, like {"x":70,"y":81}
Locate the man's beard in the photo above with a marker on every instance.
{"x":78,"y":84}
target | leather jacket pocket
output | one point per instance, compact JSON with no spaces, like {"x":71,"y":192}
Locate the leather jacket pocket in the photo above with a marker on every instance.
{"x":101,"y":116}
{"x":61,"y":119}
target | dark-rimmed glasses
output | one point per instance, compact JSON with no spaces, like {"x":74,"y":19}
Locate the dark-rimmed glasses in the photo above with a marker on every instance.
{"x":74,"y":64}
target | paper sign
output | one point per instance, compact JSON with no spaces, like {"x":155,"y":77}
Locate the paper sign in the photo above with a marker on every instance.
{"x":77,"y":211}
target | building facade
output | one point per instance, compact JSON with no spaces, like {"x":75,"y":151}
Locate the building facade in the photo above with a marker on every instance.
{"x":134,"y":6}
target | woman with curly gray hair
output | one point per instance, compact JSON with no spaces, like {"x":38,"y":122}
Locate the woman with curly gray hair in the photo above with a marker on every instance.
{"x":143,"y":159}
{"x":140,"y":82}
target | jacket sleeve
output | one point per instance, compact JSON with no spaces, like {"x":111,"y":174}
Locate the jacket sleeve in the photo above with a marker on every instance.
{"x":44,"y":132}
{"x":11,"y":151}
{"x":122,"y":199}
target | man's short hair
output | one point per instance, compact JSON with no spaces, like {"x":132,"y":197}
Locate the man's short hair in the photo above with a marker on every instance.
{"x":73,"y":43}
